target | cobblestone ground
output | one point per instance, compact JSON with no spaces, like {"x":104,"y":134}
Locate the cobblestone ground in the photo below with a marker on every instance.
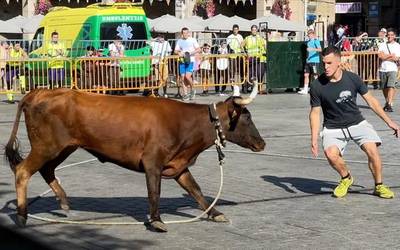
{"x":279,"y":199}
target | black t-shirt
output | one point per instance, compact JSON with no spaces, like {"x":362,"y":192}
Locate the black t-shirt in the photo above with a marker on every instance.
{"x":338,"y":100}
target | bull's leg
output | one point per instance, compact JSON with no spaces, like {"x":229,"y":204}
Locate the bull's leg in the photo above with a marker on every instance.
{"x":23,"y":173}
{"x":153,"y":180}
{"x":47,"y":172}
{"x":187,"y":182}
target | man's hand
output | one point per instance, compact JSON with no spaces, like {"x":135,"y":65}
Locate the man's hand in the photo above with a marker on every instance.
{"x":314,"y":149}
{"x":395,"y":128}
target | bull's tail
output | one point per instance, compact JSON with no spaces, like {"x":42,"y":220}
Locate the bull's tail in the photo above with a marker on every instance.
{"x":12,"y":153}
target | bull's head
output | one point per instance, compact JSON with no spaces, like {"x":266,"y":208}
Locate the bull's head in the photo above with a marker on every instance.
{"x":239,"y":128}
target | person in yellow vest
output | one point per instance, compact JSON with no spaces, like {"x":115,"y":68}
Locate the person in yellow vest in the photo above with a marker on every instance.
{"x":14,"y":68}
{"x":254,"y":45}
{"x":56,"y":51}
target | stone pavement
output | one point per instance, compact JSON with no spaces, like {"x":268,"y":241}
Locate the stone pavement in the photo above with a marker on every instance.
{"x":279,"y":199}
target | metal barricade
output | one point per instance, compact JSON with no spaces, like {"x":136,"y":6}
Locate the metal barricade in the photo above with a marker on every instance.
{"x":365,"y":64}
{"x":103,"y":74}
{"x":212,"y":70}
{"x":20,"y":76}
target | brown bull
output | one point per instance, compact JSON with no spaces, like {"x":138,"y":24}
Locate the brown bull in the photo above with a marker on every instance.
{"x":157,"y":136}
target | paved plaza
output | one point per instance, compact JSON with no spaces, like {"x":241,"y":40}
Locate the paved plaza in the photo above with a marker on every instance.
{"x":277,"y":199}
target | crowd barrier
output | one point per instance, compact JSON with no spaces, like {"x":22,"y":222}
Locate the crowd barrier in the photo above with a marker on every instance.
{"x":102,"y":74}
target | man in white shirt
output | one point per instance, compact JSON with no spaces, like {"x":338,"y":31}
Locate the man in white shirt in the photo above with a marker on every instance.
{"x":116,"y":49}
{"x":234,"y":42}
{"x":186,"y":47}
{"x":160,"y":49}
{"x":389,"y":53}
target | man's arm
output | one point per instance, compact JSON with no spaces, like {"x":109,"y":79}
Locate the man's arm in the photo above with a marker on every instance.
{"x":377,"y":108}
{"x":314,"y":125}
{"x":385,"y":57}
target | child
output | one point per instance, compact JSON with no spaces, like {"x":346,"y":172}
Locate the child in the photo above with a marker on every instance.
{"x":205,"y":68}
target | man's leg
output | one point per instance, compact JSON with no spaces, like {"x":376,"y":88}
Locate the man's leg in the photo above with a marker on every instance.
{"x":375,"y":165}
{"x":335,"y":159}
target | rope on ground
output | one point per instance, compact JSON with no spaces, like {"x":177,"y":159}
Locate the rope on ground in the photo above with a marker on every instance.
{"x":93,"y":222}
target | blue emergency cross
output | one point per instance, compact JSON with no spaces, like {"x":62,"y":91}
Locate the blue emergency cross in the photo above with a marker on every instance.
{"x":125,"y":32}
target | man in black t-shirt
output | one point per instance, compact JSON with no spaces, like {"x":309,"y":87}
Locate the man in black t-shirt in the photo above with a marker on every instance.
{"x":335,"y":92}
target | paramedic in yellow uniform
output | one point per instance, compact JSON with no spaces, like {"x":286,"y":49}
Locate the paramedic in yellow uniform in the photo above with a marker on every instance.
{"x":56,"y":71}
{"x":254,"y":46}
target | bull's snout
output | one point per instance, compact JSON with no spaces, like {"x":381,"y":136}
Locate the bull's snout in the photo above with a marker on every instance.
{"x":259,"y":146}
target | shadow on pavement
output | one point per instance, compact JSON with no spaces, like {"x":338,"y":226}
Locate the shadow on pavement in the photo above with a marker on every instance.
{"x":304,"y":185}
{"x":136,"y":207}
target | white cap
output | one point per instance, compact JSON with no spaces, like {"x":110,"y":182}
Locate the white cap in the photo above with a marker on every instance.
{"x":383,"y":30}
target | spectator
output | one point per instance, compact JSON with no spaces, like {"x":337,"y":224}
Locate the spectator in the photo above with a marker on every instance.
{"x":4,"y":55}
{"x":187,"y":47}
{"x":340,"y":32}
{"x":255,"y":47}
{"x":222,"y":64}
{"x":380,"y":39}
{"x":335,"y":93}
{"x":116,"y":48}
{"x":346,"y":45}
{"x":235,"y":41}
{"x":205,"y":68}
{"x":312,"y":62}
{"x":389,"y":53}
{"x":160,"y":49}
{"x":14,"y":68}
{"x":56,"y":51}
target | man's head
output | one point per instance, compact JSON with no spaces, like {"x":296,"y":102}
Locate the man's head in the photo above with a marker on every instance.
{"x":254,"y":29}
{"x":185,"y":33}
{"x":206,"y":47}
{"x":311,"y":34}
{"x":54,"y":37}
{"x":331,"y":59}
{"x":17,"y":46}
{"x":235,"y":29}
{"x":382,"y":33}
{"x":160,"y":37}
{"x":391,"y":34}
{"x":90,"y":50}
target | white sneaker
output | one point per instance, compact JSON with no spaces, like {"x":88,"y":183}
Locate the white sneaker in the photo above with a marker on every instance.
{"x":302,"y":92}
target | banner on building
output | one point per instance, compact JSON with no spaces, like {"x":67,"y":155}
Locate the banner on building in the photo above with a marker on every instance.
{"x":373,"y":9}
{"x":344,"y":8}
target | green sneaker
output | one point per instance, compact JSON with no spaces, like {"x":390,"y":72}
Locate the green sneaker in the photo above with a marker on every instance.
{"x":341,"y":189}
{"x":383,"y":192}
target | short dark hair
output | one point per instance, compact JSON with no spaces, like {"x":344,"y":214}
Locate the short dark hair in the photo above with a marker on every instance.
{"x":254,"y":26}
{"x":183,"y":29}
{"x":54,"y":33}
{"x":391,"y":30}
{"x":235,"y":26}
{"x":90,"y":48}
{"x":331,"y":49}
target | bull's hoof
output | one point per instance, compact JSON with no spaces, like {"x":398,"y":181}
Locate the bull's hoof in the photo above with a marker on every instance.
{"x":158,"y":226}
{"x":20,"y":221}
{"x":219,"y":218}
{"x":65,"y":207}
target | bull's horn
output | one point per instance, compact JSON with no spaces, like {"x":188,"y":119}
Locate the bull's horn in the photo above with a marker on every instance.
{"x":236,"y":90}
{"x":249,"y":99}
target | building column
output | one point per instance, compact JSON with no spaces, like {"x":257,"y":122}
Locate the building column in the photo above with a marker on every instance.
{"x":184,"y":8}
{"x":28,"y":8}
{"x":263,"y":7}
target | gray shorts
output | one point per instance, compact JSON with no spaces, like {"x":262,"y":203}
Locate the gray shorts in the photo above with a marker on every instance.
{"x":360,"y":134}
{"x":388,"y":79}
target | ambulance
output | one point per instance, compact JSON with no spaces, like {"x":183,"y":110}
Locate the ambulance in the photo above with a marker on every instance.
{"x":98,"y":25}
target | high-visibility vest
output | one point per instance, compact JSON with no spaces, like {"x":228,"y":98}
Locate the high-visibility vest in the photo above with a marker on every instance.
{"x":255,"y":46}
{"x":15,"y":55}
{"x":52,"y":52}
